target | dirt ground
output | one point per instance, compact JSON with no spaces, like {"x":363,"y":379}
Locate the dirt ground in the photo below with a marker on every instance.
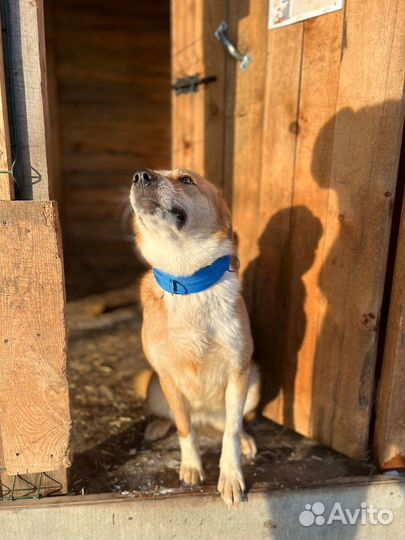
{"x":110,"y":454}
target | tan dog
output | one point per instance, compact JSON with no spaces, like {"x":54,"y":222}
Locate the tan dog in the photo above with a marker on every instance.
{"x":199,"y":344}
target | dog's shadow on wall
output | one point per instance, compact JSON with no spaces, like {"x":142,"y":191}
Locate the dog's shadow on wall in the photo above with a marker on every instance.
{"x":278,"y":283}
{"x":362,"y":178}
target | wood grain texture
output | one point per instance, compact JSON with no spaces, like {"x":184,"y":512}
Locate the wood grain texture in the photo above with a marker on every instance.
{"x":367,"y":136}
{"x":300,"y":226}
{"x":198,"y":118}
{"x":55,"y":139}
{"x":389,"y":435}
{"x":26,"y":26}
{"x":34,"y":404}
{"x":244,"y":126}
{"x":6,"y":180}
{"x":112,"y":69}
{"x":6,"y":161}
{"x":268,"y":270}
{"x":327,"y":177}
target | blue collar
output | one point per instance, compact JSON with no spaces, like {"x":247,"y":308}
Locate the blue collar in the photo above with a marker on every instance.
{"x":200,"y":281}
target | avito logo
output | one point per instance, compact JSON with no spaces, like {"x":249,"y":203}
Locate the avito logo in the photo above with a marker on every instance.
{"x":314,"y":514}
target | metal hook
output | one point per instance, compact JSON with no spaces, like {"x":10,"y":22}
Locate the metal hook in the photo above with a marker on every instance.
{"x":244,"y":59}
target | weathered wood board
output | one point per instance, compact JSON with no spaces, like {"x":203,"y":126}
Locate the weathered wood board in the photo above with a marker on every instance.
{"x":6,"y":163}
{"x":28,"y":65}
{"x":367,"y":134}
{"x":244,"y":125}
{"x":34,"y":403}
{"x":389,"y":436}
{"x":6,"y":180}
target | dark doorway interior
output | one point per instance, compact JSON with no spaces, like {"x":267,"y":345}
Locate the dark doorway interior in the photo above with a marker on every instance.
{"x":109,"y":91}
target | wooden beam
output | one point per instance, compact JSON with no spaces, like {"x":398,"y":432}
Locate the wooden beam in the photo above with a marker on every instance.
{"x":389,"y":436}
{"x":34,"y":402}
{"x":6,"y":180}
{"x":25,"y":23}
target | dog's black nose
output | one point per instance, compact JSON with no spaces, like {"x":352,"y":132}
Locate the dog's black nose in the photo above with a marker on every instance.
{"x":144,"y":178}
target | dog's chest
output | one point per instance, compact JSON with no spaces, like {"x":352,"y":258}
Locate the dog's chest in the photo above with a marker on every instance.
{"x":199,"y":331}
{"x":205,"y":322}
{"x":204,"y":332}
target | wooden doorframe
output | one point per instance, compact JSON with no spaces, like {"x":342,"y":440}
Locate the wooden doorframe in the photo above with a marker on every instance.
{"x":389,"y":429}
{"x":32,"y":298}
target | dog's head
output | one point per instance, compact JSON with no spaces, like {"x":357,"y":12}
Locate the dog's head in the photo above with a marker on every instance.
{"x":182,"y":222}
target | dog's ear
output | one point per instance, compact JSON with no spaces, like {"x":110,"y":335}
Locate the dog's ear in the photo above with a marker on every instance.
{"x":224,"y":214}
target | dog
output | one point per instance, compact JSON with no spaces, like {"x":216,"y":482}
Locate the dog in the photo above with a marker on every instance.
{"x":195,"y":333}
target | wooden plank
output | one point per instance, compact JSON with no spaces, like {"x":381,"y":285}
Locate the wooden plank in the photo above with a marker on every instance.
{"x":324,"y":217}
{"x":55,"y":146}
{"x":198,"y":118}
{"x":268,"y":270}
{"x":367,"y":134}
{"x":28,"y":65}
{"x":34,"y":402}
{"x":244,"y":125}
{"x":300,"y":224}
{"x":389,"y":435}
{"x":6,"y":161}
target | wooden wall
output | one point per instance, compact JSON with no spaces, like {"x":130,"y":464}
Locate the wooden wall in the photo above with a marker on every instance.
{"x":309,"y":162}
{"x":110,"y":65}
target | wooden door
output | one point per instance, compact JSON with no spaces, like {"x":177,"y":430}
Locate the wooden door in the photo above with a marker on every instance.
{"x":305,"y":144}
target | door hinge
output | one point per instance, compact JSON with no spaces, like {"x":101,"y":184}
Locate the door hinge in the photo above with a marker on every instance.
{"x":190,"y":84}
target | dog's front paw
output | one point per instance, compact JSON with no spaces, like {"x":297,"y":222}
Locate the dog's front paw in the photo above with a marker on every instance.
{"x":191,"y":475}
{"x":231,"y":486}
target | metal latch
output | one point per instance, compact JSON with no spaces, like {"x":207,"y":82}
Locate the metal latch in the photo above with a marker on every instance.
{"x":244,"y":59}
{"x":190,"y":84}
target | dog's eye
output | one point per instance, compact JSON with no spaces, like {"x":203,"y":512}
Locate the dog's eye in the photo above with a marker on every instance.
{"x":186,"y":180}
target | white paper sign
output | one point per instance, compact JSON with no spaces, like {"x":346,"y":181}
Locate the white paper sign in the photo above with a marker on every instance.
{"x":285,"y":12}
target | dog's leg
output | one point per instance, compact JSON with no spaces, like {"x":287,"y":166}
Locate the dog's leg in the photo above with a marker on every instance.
{"x":191,"y":471}
{"x":248,"y":445}
{"x":253,"y":393}
{"x":157,"y":429}
{"x":157,"y":405}
{"x":231,"y":484}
